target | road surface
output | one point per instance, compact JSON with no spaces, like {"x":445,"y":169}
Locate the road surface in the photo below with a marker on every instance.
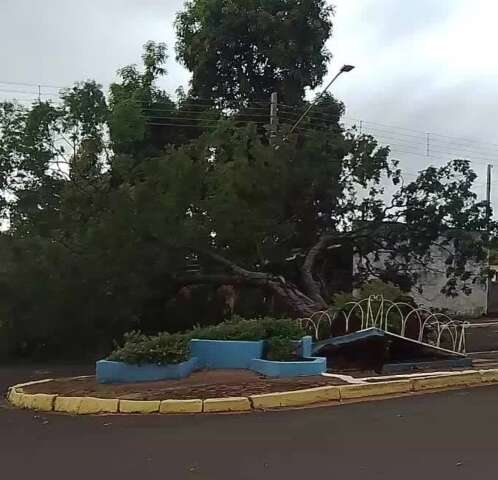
{"x":449,"y":435}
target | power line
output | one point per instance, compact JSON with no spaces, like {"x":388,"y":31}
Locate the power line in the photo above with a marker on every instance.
{"x":395,"y":137}
{"x":28,"y":93}
{"x":23,"y":84}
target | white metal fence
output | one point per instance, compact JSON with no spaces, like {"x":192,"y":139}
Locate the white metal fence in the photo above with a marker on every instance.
{"x":400,"y":318}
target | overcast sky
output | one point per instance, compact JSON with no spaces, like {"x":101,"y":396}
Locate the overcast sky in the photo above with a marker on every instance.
{"x":425,"y":65}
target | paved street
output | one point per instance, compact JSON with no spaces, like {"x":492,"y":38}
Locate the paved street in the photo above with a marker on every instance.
{"x":451,"y":435}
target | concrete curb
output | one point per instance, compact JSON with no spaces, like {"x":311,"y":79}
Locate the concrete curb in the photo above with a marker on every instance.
{"x":181,"y":406}
{"x":228,"y":404}
{"x":311,"y":396}
{"x":139,"y":406}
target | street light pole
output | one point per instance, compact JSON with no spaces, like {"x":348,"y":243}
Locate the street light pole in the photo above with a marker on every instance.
{"x":344,"y":69}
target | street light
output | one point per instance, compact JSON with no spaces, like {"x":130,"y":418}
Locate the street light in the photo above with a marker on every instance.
{"x":344,"y":69}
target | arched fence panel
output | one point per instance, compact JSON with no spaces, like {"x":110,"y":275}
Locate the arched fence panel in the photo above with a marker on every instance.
{"x":417,"y":323}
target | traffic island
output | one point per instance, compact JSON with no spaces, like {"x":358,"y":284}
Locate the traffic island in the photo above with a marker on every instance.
{"x":227,"y":391}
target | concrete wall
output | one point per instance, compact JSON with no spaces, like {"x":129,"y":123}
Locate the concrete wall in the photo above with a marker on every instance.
{"x":432,"y":281}
{"x":313,"y":366}
{"x":225,"y":353}
{"x":114,"y":372}
{"x":215,"y":354}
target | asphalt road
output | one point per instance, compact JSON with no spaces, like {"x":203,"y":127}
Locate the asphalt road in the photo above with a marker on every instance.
{"x":450,"y":435}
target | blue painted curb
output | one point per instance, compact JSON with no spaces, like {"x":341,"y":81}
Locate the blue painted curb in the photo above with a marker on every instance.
{"x":225,"y":353}
{"x":216,"y":354}
{"x":312,"y":366}
{"x":115,"y":372}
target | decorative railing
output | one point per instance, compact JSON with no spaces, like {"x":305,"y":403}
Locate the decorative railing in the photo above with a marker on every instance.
{"x":401,"y":318}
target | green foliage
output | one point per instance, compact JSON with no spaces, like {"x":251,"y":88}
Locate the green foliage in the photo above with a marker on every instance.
{"x":281,"y":349}
{"x":160,"y":349}
{"x":240,"y":50}
{"x":173,"y":348}
{"x":380,"y":288}
{"x":250,"y":330}
{"x":376,"y":288}
{"x":110,"y":198}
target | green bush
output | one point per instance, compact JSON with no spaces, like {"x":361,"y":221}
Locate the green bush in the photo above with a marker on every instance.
{"x":160,"y":349}
{"x":281,"y":349}
{"x":173,"y":348}
{"x":372,"y":287}
{"x":250,"y":329}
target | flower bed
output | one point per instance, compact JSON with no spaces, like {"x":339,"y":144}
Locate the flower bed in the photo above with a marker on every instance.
{"x":115,"y":372}
{"x":226,"y":353}
{"x":272,"y":347}
{"x":307,"y":367}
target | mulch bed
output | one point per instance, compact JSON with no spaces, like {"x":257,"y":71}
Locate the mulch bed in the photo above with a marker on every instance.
{"x":203,"y":384}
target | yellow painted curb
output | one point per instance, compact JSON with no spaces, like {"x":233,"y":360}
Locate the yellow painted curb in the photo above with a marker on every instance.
{"x":296,"y":398}
{"x":446,"y":381}
{"x":39,"y":401}
{"x":34,"y":382}
{"x":67,"y":404}
{"x":181,"y":406}
{"x":227,"y":404}
{"x":490,"y":375}
{"x":374,"y":389}
{"x":16,"y":397}
{"x":138,"y":406}
{"x":90,"y":405}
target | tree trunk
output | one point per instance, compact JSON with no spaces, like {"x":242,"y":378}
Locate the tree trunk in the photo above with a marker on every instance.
{"x":313,"y":288}
{"x":297,"y":303}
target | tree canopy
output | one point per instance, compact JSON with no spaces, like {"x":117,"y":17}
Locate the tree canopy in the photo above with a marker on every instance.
{"x":238,"y":51}
{"x":121,"y":206}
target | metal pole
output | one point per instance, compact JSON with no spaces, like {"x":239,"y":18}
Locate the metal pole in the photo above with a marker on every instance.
{"x":273,"y":116}
{"x":488,"y":218}
{"x":345,"y":68}
{"x":488,"y":188}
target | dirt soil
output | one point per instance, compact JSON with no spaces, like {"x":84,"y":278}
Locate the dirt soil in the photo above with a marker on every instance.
{"x":203,"y":384}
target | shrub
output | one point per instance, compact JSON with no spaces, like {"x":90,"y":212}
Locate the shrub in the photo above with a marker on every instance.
{"x":281,"y":349}
{"x":160,"y":349}
{"x":250,"y":329}
{"x":173,"y":348}
{"x":373,"y":287}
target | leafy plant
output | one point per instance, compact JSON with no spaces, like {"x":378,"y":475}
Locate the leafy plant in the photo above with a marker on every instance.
{"x":250,"y":329}
{"x":173,"y":348}
{"x":163,"y":348}
{"x":373,"y":287}
{"x":281,"y":349}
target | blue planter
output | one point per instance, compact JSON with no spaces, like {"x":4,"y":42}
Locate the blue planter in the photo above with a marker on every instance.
{"x":214,"y":354}
{"x":225,"y":353}
{"x":269,"y":368}
{"x":304,"y":346}
{"x":115,"y":372}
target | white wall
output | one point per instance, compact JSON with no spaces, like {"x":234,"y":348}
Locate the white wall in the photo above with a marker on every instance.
{"x":473,"y":305}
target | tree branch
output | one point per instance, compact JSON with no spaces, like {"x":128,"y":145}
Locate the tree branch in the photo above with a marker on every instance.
{"x":312,"y":287}
{"x":297,"y":302}
{"x":234,"y":267}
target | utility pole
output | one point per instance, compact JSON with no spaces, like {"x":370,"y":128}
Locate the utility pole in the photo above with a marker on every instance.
{"x":488,"y":189}
{"x":273,"y":116}
{"x":488,"y":218}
